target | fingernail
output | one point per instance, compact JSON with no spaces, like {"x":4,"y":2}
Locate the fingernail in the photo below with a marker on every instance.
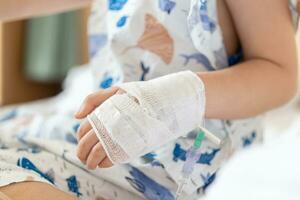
{"x":79,"y":111}
{"x":76,"y":115}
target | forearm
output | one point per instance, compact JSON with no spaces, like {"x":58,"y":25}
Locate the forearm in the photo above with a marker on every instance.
{"x":248,"y":89}
{"x":17,"y":9}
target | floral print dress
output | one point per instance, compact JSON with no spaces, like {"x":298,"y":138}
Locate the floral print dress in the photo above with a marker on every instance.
{"x":130,"y":40}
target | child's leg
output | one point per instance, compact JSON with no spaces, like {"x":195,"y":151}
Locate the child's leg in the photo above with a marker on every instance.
{"x":33,"y":191}
{"x":28,"y":168}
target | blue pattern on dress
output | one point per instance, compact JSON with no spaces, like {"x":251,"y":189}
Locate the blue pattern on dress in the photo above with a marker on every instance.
{"x":247,"y":141}
{"x":76,"y":127}
{"x":156,"y":163}
{"x":145,"y":70}
{"x":8,"y":116}
{"x":235,"y":58}
{"x":96,"y":42}
{"x":200,"y":59}
{"x":71,"y":138}
{"x":122,"y":21}
{"x":3,"y":146}
{"x":207,"y":23}
{"x":116,"y":4}
{"x":27,"y":164}
{"x":167,"y":5}
{"x":33,"y":149}
{"x":150,"y":156}
{"x":208,"y":180}
{"x":147,"y":186}
{"x":73,"y":185}
{"x":106,"y":82}
{"x":205,"y":158}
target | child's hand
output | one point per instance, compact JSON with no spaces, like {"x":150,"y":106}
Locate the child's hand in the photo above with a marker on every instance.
{"x":94,"y":100}
{"x":90,"y":150}
{"x":145,"y":115}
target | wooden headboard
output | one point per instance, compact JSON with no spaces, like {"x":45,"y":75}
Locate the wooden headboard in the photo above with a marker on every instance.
{"x":14,"y":87}
{"x":22,"y":9}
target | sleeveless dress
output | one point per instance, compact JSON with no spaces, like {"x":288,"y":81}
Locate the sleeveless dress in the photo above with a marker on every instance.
{"x":130,"y":40}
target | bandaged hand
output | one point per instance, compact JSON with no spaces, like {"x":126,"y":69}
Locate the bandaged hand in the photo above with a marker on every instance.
{"x":90,"y":150}
{"x":147,"y":115}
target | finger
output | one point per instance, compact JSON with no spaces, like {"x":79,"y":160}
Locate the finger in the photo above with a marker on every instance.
{"x":84,"y":128}
{"x":94,"y":100}
{"x":120,"y":91}
{"x":95,"y":157}
{"x":105,"y":163}
{"x":85,"y":145}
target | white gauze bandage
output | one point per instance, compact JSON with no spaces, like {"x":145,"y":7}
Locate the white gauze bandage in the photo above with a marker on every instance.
{"x":149,"y":114}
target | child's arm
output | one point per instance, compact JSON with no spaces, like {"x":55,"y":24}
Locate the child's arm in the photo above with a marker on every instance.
{"x":17,"y":9}
{"x":268,"y":77}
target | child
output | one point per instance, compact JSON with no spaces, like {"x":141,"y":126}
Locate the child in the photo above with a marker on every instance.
{"x":146,"y":40}
{"x":148,"y":121}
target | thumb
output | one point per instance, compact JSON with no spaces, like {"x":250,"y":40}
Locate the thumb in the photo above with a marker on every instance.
{"x":92,"y":101}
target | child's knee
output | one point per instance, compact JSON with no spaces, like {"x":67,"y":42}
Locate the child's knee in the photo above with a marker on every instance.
{"x":34,"y":191}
